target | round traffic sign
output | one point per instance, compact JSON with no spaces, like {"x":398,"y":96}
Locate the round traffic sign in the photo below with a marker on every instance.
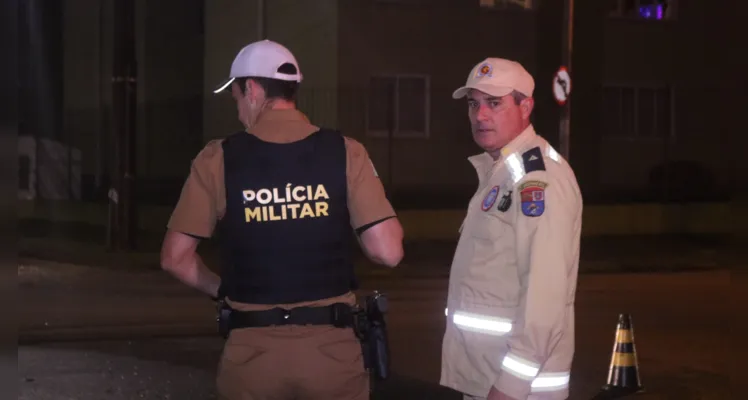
{"x":561,"y":85}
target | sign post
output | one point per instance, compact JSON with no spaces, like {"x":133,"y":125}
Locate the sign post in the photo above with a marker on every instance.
{"x":563,"y":78}
{"x":561,"y":92}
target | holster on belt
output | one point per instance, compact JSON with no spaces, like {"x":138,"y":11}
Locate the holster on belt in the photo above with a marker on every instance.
{"x":223,"y":318}
{"x":371,"y":329}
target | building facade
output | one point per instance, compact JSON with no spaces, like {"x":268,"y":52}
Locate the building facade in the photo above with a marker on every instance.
{"x":652,"y":106}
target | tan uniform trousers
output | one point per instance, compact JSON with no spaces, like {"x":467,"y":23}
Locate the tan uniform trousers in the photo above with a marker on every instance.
{"x":531,"y":397}
{"x":292,"y":362}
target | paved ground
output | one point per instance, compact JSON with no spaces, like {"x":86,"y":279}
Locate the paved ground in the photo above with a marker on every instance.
{"x":681,"y":324}
{"x":599,"y":254}
{"x":150,"y":369}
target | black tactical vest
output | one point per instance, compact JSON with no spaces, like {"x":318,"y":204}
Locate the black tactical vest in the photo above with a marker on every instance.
{"x":286,"y":234}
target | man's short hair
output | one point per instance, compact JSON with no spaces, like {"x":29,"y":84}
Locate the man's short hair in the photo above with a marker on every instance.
{"x":517,"y":96}
{"x":274,"y":88}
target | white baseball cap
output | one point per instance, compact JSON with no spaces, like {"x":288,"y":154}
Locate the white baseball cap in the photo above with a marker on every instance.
{"x":497,"y":77}
{"x":261,"y":60}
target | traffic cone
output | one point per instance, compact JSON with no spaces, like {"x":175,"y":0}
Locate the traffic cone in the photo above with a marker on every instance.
{"x":623,"y":374}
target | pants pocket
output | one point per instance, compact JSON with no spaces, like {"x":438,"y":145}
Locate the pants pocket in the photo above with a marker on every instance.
{"x":241,"y":354}
{"x":345,"y":351}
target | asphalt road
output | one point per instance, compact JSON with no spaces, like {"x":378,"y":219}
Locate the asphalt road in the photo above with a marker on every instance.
{"x":150,"y":369}
{"x":681,"y":323}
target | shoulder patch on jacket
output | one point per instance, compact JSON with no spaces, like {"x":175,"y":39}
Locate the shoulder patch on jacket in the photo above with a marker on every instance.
{"x":533,"y":160}
{"x":532,"y":196}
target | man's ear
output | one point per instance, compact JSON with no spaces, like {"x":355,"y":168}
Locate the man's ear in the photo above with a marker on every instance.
{"x":248,"y":88}
{"x":526,"y":105}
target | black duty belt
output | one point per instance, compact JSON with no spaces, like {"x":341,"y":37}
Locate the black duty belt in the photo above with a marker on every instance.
{"x":339,"y":314}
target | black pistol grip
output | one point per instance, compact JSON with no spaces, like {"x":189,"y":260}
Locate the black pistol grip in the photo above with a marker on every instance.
{"x":381,"y":351}
{"x":382,"y":304}
{"x":224,"y":319}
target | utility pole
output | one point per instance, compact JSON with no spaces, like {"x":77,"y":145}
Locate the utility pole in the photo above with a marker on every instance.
{"x":261,"y":19}
{"x":123,"y":219}
{"x":566,"y":53}
{"x":391,"y":107}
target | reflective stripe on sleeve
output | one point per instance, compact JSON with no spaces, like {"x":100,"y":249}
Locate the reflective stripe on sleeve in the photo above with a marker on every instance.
{"x":481,"y":323}
{"x":551,"y":381}
{"x":520,"y":367}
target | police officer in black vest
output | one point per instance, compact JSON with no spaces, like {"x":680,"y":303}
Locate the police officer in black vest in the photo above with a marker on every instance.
{"x":288,"y":200}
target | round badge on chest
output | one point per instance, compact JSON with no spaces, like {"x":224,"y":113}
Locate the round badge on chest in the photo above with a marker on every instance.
{"x":490,"y":198}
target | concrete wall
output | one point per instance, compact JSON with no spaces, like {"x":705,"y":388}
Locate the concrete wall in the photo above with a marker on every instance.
{"x":379,"y":37}
{"x":341,"y":44}
{"x":310,"y":30}
{"x":675,"y":53}
{"x":229,"y":26}
{"x":724,"y":44}
{"x":41,"y":73}
{"x":586,"y":71}
{"x":440,"y":224}
{"x":87,"y":70}
{"x":637,"y":54}
{"x":307,"y":28}
{"x":169,"y":90}
{"x":172,"y":74}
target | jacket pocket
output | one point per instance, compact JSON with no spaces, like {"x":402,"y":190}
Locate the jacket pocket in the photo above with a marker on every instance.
{"x":485,"y":330}
{"x":486,"y":226}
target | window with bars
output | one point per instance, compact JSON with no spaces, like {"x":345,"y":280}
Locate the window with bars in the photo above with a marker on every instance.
{"x":24,"y":172}
{"x":643,"y":9}
{"x":400,"y":101}
{"x":524,"y":4}
{"x":638,"y":112}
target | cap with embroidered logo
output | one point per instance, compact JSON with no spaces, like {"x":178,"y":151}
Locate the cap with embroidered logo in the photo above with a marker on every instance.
{"x":262,"y":59}
{"x":498,"y":77}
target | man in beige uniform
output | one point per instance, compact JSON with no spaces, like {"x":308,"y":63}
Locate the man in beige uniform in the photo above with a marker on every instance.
{"x":510,"y":307}
{"x":290,"y":361}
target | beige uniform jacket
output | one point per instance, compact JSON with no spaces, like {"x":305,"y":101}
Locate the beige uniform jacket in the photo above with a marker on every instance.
{"x":510,"y":306}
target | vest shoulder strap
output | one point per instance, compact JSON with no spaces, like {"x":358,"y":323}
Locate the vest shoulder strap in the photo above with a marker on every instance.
{"x":329,"y":133}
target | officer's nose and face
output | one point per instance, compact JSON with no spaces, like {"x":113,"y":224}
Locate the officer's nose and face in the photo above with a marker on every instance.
{"x":494,"y":120}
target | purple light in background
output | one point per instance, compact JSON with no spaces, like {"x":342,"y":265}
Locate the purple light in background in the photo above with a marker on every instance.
{"x":646,"y":12}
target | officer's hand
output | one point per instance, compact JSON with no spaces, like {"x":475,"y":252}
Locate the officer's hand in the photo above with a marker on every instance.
{"x":495,"y":394}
